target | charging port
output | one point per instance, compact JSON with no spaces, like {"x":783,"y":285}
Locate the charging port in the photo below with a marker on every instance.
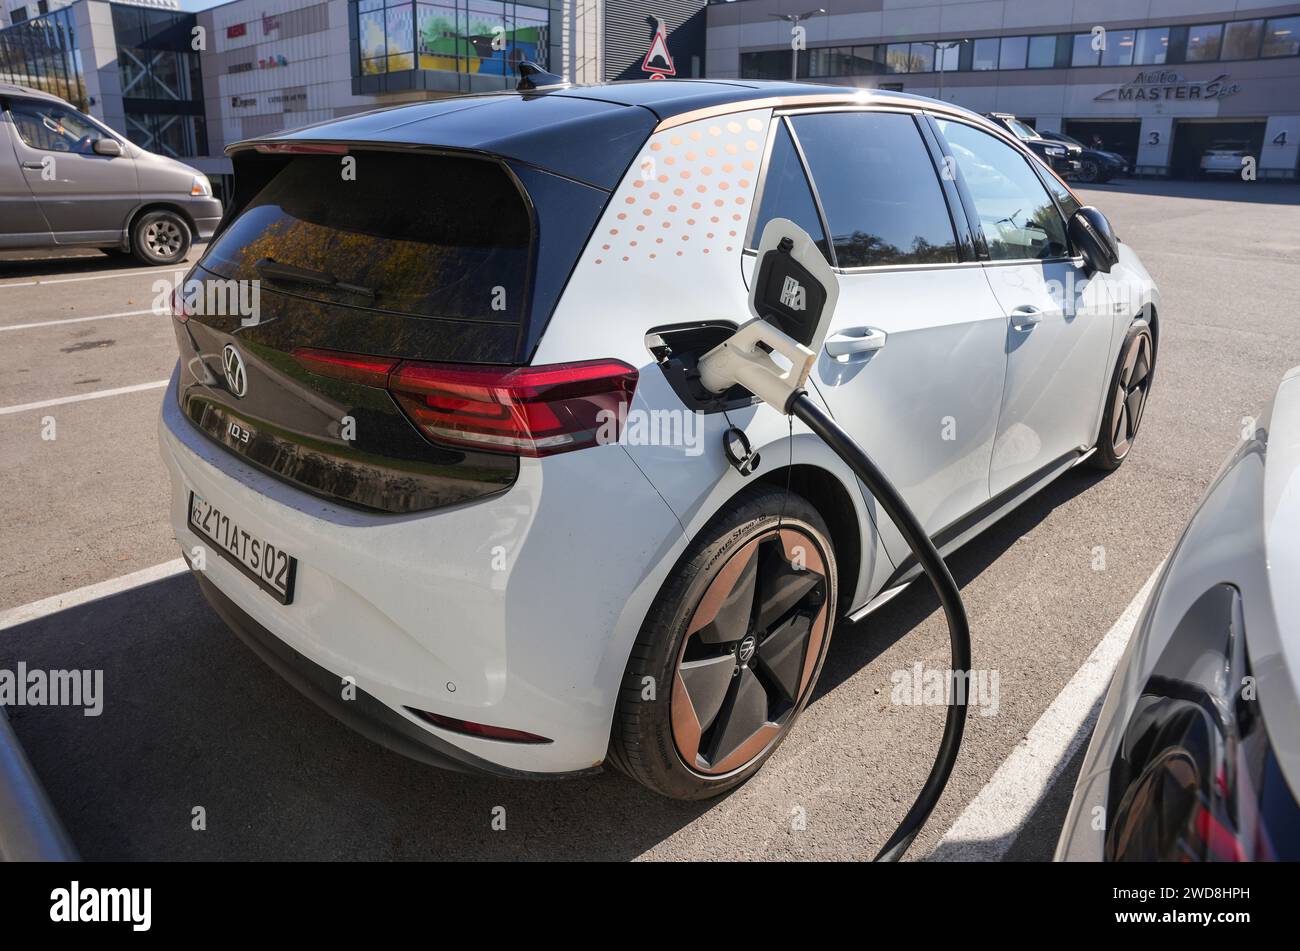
{"x":677,"y":349}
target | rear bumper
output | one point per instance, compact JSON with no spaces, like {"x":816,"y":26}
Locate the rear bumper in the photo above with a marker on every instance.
{"x":518,"y":611}
{"x":363,"y":713}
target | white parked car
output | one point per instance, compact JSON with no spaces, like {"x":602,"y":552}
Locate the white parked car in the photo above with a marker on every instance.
{"x":1196,"y":755}
{"x":456,"y":479}
{"x":1225,"y":158}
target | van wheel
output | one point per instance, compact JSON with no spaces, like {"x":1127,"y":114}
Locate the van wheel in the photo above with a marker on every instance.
{"x":731,"y":649}
{"x":1127,"y":397}
{"x":160,"y":237}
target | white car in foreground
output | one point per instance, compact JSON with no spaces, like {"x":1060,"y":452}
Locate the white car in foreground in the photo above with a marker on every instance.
{"x":455,"y":477}
{"x":1196,"y":753}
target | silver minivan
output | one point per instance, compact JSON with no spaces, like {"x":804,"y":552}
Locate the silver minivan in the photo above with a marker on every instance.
{"x":67,"y":180}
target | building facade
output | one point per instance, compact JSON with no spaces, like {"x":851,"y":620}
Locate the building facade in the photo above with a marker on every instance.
{"x":1159,"y":81}
{"x":189,"y":84}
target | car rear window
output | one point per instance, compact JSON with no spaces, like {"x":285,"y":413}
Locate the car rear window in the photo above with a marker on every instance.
{"x":426,"y":235}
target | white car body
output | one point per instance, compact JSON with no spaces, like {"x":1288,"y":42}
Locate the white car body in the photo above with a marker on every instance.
{"x":521,"y":609}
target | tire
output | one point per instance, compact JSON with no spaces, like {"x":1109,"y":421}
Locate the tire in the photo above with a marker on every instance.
{"x":1126,"y":397}
{"x":747,"y":629}
{"x":160,"y":237}
{"x":1089,"y":172}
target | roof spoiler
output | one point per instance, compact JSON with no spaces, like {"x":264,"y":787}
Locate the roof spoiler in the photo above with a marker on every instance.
{"x":532,"y":76}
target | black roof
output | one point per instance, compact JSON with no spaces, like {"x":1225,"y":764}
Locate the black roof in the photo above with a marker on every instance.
{"x":588,"y":133}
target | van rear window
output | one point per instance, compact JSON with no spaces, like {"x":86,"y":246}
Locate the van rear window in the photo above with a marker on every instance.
{"x":426,"y":235}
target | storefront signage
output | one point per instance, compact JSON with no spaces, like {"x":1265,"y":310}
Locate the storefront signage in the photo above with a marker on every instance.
{"x":1160,"y":85}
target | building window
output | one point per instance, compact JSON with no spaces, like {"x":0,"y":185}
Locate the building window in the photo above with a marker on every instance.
{"x":1083,"y":54}
{"x":922,"y":60}
{"x":947,"y":55}
{"x":1203,"y":42}
{"x":42,"y":53}
{"x":1241,"y":39}
{"x":1119,"y":48}
{"x":1152,"y":47}
{"x":898,"y":58}
{"x":1014,"y":50}
{"x":471,"y":36}
{"x":1042,"y":52}
{"x":986,"y":54}
{"x":768,"y":64}
{"x":1282,"y":37}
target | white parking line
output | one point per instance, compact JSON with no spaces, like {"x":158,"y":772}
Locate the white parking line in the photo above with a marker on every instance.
{"x":94,"y":277}
{"x":79,"y":320}
{"x":91,"y":592}
{"x":96,"y":395}
{"x":988,"y":826}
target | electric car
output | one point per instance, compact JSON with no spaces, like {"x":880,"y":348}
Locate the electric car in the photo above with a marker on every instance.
{"x":455,"y":477}
{"x":1195,"y":755}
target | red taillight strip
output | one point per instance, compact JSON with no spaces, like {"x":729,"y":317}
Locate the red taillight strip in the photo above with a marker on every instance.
{"x":479,"y":729}
{"x":529,"y":411}
{"x":349,"y":367}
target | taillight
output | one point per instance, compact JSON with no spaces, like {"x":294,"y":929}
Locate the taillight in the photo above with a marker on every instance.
{"x":528,"y":411}
{"x":350,"y":367}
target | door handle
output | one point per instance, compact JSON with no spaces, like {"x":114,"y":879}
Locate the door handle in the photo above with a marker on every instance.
{"x":34,"y":166}
{"x":1025,"y":317}
{"x":845,"y":344}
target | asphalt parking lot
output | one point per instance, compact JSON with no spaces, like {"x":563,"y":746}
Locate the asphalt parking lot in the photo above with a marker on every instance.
{"x":193,"y":719}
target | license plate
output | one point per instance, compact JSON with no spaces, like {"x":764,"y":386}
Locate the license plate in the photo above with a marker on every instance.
{"x":271,"y":567}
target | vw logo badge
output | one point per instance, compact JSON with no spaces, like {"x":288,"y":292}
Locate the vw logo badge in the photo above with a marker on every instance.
{"x":233,"y":365}
{"x":747,"y":648}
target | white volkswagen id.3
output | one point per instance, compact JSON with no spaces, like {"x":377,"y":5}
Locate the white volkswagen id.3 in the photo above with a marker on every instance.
{"x":455,"y":477}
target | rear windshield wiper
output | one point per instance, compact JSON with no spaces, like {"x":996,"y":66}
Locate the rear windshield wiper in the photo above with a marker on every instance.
{"x":273,"y":270}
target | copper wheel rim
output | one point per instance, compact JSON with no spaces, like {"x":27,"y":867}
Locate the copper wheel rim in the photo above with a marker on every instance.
{"x":1130,"y":396}
{"x":750,"y":652}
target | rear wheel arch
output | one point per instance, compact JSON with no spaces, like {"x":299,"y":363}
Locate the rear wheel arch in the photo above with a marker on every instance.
{"x":160,"y":206}
{"x":832,"y":500}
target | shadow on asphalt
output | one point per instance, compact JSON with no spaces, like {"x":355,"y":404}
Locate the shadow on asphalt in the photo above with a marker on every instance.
{"x":193,"y":719}
{"x":1258,"y":192}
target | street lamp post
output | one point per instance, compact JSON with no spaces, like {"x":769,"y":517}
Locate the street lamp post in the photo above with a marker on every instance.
{"x":794,"y":20}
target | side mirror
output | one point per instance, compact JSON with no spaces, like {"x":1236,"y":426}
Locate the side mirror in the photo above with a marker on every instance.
{"x":1090,"y":232}
{"x":109,"y":147}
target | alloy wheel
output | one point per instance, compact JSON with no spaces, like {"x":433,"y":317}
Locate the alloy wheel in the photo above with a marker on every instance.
{"x":1088,"y":171}
{"x":1131,"y":394}
{"x":163,"y":238}
{"x":750,"y":651}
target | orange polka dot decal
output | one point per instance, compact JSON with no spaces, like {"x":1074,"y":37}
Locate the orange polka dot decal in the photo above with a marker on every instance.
{"x":695,"y":158}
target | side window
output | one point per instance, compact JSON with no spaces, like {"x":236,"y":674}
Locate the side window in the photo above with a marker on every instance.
{"x":52,"y":128}
{"x":786,"y":193}
{"x":1016,"y":213}
{"x":879,"y":188}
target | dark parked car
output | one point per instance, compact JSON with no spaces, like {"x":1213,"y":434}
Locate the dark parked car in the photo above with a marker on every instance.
{"x":1062,"y":158}
{"x":1095,"y":165}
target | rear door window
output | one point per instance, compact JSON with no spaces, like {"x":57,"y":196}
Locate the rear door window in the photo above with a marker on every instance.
{"x":1019,"y":218}
{"x":419,"y":234}
{"x":879,"y":188}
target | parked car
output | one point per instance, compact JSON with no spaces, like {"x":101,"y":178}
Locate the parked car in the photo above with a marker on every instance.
{"x":1063,"y":158}
{"x":1194,"y":756}
{"x":454,"y":480}
{"x":1095,"y":165}
{"x":1225,"y":158}
{"x":67,"y":180}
